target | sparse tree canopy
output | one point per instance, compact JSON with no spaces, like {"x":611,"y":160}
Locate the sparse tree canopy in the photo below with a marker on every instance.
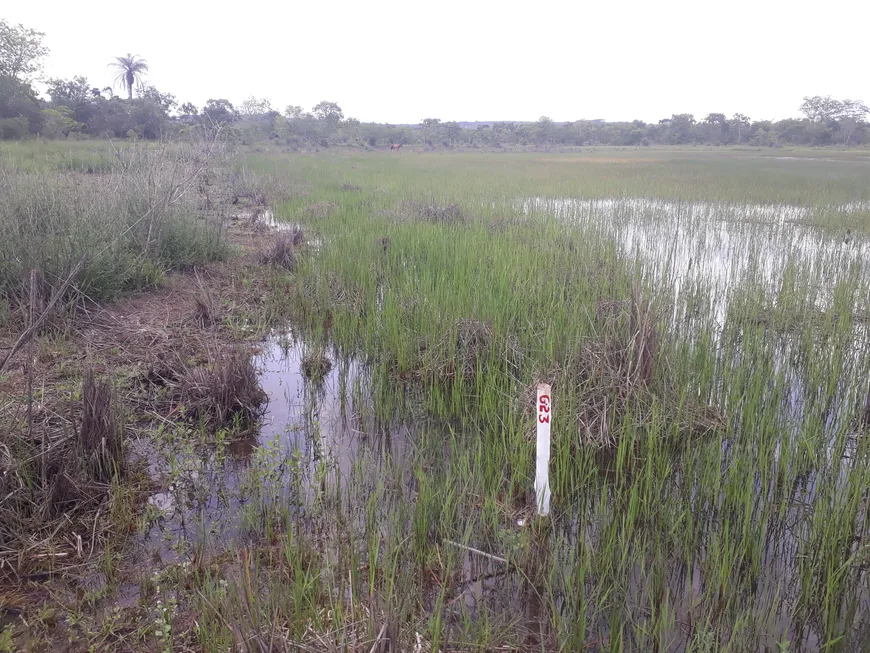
{"x":218,"y":111}
{"x":820,"y":108}
{"x":166,"y":101}
{"x":130,"y":70}
{"x":21,"y":51}
{"x":253,"y":106}
{"x":69,"y":92}
{"x":328,"y":112}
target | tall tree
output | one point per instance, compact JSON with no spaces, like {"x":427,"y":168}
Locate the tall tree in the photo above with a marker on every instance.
{"x":21,"y":51}
{"x":130,"y":70}
{"x":820,"y":108}
{"x":328,"y":112}
{"x":852,"y":114}
{"x":219,"y":111}
{"x":741,"y":122}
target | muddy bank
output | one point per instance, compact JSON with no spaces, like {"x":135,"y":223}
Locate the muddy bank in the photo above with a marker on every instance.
{"x":158,"y":349}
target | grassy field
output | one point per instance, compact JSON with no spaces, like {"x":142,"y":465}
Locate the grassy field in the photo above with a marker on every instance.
{"x":702,"y":318}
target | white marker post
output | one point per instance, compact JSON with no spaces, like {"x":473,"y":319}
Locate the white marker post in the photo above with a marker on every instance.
{"x":542,"y":467}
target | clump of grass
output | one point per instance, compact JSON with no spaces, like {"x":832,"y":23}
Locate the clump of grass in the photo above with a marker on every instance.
{"x":500,"y":225}
{"x":620,"y":373}
{"x":315,"y":364}
{"x":615,"y":371}
{"x":320,"y":209}
{"x":50,"y":476}
{"x":445,"y":214}
{"x":101,"y":433}
{"x":296,"y":233}
{"x":465,"y":350}
{"x":227,"y":390}
{"x":205,"y":310}
{"x":282,"y":251}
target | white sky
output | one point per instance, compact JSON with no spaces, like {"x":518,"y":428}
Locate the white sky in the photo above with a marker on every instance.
{"x":402,"y":61}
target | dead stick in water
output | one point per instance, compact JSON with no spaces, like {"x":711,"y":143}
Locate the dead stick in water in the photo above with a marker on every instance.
{"x":477,"y":551}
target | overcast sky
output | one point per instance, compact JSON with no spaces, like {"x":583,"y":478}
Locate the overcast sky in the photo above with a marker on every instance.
{"x":402,"y":61}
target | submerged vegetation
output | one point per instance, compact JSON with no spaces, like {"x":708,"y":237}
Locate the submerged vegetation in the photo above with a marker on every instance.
{"x":364,"y":481}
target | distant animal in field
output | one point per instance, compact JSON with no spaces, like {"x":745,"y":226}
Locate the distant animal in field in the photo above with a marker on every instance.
{"x":395,"y":146}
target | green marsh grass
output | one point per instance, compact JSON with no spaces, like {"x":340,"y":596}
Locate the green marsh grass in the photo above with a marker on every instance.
{"x":723,"y":508}
{"x":131,"y":212}
{"x":744,"y":533}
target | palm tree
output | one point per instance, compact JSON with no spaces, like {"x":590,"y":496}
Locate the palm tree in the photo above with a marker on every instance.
{"x":130,"y":70}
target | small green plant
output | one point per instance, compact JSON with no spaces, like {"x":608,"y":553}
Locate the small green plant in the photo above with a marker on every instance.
{"x":7,"y":641}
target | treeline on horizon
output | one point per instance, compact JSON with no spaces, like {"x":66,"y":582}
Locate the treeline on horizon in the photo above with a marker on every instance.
{"x":76,"y":109}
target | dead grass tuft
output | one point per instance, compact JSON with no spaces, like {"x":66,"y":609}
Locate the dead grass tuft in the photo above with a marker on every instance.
{"x":465,"y":350}
{"x":282,"y":251}
{"x":320,"y":209}
{"x":619,"y":373}
{"x":501,"y":225}
{"x":296,"y":233}
{"x":445,"y":214}
{"x":101,"y":434}
{"x":227,"y":390}
{"x":315,"y":364}
{"x":205,"y":311}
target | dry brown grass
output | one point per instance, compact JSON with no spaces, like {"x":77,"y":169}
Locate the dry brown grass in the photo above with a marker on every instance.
{"x":101,"y":434}
{"x":147,"y":344}
{"x":55,"y":473}
{"x":320,"y":209}
{"x":227,"y":390}
{"x":465,"y":350}
{"x":282,"y":251}
{"x":315,"y":364}
{"x":445,"y":214}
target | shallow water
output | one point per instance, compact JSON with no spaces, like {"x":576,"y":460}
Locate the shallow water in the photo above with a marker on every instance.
{"x":311,"y":434}
{"x":717,"y":245}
